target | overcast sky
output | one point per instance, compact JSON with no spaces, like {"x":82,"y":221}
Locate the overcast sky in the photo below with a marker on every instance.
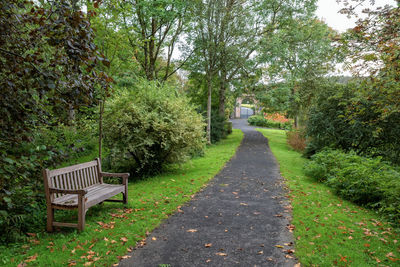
{"x":328,"y":12}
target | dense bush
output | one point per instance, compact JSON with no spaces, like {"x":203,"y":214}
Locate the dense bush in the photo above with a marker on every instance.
{"x":343,"y":117}
{"x":258,"y":120}
{"x":365,"y":181}
{"x":218,"y":128}
{"x":150,"y":125}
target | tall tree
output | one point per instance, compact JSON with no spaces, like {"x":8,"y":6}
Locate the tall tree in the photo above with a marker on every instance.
{"x":300,"y":54}
{"x":153,"y":30}
{"x":205,"y":37}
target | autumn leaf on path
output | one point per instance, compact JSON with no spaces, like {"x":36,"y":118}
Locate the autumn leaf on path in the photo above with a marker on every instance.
{"x":278,"y":246}
{"x":208,"y":245}
{"x":192,"y":230}
{"x":221,"y":254}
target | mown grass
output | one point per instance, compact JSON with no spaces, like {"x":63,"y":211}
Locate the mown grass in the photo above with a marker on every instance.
{"x":330,"y":231}
{"x":112,"y":229}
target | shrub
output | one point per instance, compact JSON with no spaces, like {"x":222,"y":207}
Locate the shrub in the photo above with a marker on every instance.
{"x":296,"y":140}
{"x":365,"y":181}
{"x":218,"y":129}
{"x":148,"y":126}
{"x":258,"y":120}
{"x":228,"y":127}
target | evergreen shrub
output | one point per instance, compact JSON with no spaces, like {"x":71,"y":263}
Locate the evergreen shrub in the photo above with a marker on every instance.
{"x":366,"y":181}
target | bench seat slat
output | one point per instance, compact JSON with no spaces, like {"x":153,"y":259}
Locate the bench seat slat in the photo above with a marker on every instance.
{"x":96,"y":194}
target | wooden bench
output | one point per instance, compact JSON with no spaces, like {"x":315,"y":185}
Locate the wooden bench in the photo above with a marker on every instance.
{"x":80,"y":187}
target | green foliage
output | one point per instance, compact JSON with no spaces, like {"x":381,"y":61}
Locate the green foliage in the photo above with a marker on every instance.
{"x":349,"y":118}
{"x":148,"y":126}
{"x":258,"y":120}
{"x":365,"y":181}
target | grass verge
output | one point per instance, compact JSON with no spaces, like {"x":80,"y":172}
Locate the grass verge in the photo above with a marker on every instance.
{"x":112,"y":230}
{"x":330,"y":231}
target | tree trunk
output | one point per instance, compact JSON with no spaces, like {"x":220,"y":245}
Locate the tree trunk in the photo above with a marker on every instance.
{"x":101,"y":105}
{"x":222,"y":97}
{"x":209,"y":109}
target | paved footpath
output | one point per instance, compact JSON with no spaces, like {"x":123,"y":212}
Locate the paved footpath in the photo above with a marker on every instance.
{"x":231,"y":222}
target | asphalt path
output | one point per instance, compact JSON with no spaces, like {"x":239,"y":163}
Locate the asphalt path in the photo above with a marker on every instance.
{"x":240,"y":219}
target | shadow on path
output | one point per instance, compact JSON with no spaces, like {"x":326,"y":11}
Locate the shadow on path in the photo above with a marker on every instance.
{"x":235,"y":215}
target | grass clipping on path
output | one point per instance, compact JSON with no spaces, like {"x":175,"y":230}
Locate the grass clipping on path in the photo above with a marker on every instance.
{"x":330,"y":231}
{"x":112,"y":229}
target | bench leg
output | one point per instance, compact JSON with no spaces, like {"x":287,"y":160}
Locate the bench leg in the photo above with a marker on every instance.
{"x":81,"y":213}
{"x":50,"y":218}
{"x":125,"y":194}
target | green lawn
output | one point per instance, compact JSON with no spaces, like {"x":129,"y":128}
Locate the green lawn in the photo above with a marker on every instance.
{"x":112,"y":229}
{"x":330,"y":231}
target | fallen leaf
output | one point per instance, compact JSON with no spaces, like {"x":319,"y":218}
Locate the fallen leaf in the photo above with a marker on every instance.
{"x":367,"y":245}
{"x":113,"y":241}
{"x":124,"y":239}
{"x":87,"y":263}
{"x":208,"y":245}
{"x":208,"y":260}
{"x":260,"y":252}
{"x":243,"y":204}
{"x":154,"y":238}
{"x":390,"y":254}
{"x":192,"y":230}
{"x":221,"y":254}
{"x":278,"y":246}
{"x":31,"y":258}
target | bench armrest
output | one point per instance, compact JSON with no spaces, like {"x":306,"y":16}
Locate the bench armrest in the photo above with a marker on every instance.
{"x":68,"y":191}
{"x":109,"y":174}
{"x":124,"y":176}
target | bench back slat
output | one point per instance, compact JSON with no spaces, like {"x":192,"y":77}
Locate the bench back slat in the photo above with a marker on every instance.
{"x":73,"y":177}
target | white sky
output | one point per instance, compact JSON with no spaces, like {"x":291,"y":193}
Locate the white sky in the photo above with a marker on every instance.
{"x":328,"y":12}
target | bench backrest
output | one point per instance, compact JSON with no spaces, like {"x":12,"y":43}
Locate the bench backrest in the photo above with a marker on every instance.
{"x":73,"y":177}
